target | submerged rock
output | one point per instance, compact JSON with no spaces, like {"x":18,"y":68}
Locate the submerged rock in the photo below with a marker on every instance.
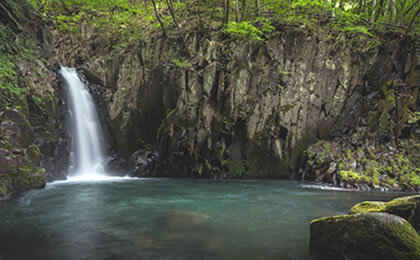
{"x":363,"y":236}
{"x":182,"y":220}
{"x":178,"y":229}
{"x":405,"y":207}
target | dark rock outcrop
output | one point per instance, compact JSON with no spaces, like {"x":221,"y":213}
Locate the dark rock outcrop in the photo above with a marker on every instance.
{"x":383,"y":151}
{"x":245,"y":109}
{"x":234,"y":107}
{"x":364,"y":236}
{"x":34,"y":147}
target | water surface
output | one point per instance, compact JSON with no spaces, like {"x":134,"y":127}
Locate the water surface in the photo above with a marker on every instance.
{"x":168,"y":219}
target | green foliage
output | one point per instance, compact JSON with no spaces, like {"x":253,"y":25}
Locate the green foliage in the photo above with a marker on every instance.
{"x":8,"y":78}
{"x":118,"y":20}
{"x":244,"y":30}
{"x":131,"y":20}
{"x":414,"y":117}
{"x":351,"y":177}
{"x":179,"y":63}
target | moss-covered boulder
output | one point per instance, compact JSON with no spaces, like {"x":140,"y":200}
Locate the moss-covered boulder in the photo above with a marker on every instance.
{"x":405,"y":207}
{"x":363,"y":236}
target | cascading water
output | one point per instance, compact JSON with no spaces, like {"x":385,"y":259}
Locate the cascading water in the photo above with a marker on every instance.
{"x":87,"y":150}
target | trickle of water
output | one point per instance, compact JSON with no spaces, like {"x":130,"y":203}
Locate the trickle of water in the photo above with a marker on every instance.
{"x":87,"y":149}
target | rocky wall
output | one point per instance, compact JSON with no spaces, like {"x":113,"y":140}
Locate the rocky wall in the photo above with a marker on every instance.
{"x":230,"y":108}
{"x":34,"y":147}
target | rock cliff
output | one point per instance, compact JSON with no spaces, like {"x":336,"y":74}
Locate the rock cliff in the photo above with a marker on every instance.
{"x":227,"y":108}
{"x":33,"y":144}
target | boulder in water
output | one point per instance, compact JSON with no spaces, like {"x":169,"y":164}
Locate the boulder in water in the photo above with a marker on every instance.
{"x":364,"y":236}
{"x":406,"y":207}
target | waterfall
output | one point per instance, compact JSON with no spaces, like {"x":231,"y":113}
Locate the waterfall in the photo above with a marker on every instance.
{"x":87,"y":149}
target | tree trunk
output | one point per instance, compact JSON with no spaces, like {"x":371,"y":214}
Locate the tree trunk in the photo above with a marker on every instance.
{"x":172,"y":12}
{"x":226,"y":12}
{"x":257,"y":8}
{"x":379,"y":11}
{"x":158,"y":17}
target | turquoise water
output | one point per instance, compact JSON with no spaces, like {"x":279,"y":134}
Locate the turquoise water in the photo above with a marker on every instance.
{"x":168,"y":219}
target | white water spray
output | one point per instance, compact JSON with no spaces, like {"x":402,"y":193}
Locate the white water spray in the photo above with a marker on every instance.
{"x":87,"y":150}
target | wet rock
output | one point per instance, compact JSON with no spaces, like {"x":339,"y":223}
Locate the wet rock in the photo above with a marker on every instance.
{"x":143,"y":163}
{"x":405,"y":207}
{"x":364,"y":236}
{"x":56,"y":155}
{"x":116,"y":165}
{"x":14,"y":125}
{"x":5,"y":161}
{"x":92,"y":78}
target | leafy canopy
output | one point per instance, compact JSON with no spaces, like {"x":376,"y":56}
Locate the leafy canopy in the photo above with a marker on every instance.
{"x":124,"y":21}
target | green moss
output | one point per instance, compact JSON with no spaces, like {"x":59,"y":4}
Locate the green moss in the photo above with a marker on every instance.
{"x":349,"y":154}
{"x":372,"y":120}
{"x":3,"y":189}
{"x":372,"y":235}
{"x":352,"y":177}
{"x":415,"y":181}
{"x":179,"y":63}
{"x":29,"y":177}
{"x":403,"y":207}
{"x":368,"y":206}
{"x":328,"y":219}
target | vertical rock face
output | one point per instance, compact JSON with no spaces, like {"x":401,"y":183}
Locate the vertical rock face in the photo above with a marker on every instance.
{"x":383,"y":151}
{"x":33,"y":144}
{"x":236,"y":108}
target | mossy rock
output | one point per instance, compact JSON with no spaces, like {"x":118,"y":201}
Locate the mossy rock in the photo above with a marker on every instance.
{"x":363,"y":236}
{"x":5,"y":183}
{"x":406,"y":207}
{"x":3,"y":189}
{"x":28,"y":177}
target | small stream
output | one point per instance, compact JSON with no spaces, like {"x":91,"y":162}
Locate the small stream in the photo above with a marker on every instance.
{"x":125,"y":218}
